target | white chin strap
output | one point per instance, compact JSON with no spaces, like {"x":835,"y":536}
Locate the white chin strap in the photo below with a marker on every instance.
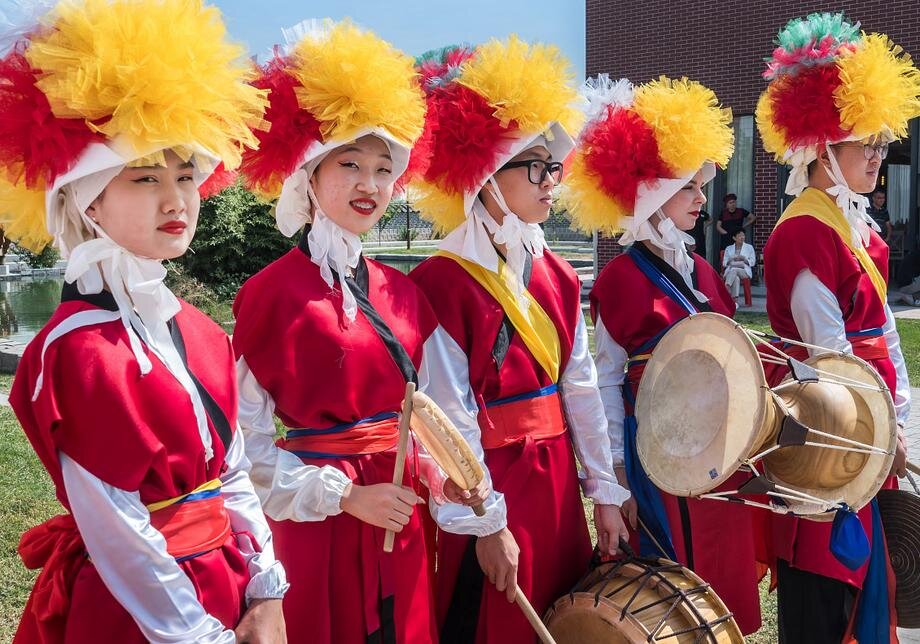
{"x":673,"y":242}
{"x":518,"y":238}
{"x":852,"y":204}
{"x":331,"y":246}
{"x":144,"y":302}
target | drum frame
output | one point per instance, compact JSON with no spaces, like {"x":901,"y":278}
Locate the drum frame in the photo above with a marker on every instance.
{"x":653,"y":576}
{"x":788,"y":499}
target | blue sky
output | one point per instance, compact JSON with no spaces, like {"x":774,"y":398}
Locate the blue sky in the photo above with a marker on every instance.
{"x":416,"y":26}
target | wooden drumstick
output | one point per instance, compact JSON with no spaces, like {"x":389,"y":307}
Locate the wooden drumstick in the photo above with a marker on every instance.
{"x":532,"y":617}
{"x":913,"y":468}
{"x":401,"y":448}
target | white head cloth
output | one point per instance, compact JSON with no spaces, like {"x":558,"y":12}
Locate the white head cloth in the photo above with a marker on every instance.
{"x":852,"y":204}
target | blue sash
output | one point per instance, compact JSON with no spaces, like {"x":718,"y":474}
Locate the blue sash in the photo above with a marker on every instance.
{"x":648,"y":497}
{"x":873,"y":612}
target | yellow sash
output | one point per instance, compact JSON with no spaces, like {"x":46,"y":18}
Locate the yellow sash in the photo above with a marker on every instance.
{"x":535,"y":327}
{"x":213,"y":484}
{"x":816,"y":203}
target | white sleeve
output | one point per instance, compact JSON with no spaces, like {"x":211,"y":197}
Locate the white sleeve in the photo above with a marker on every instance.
{"x":287,"y":488}
{"x":611,"y":377}
{"x":901,"y":394}
{"x":445,"y":377}
{"x":817,"y":314}
{"x":727,"y":255}
{"x":131,"y":558}
{"x":266,"y":574}
{"x":585,"y":414}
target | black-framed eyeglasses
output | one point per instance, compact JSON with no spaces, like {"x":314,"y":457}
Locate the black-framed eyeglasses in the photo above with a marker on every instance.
{"x":537,"y":169}
{"x":871,"y":149}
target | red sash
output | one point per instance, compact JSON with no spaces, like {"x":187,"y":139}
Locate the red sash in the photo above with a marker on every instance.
{"x":369,"y":436}
{"x":538,"y":416}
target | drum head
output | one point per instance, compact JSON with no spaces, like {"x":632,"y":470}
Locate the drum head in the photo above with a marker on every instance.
{"x":876,"y":411}
{"x":641,"y":601}
{"x":700,"y":404}
{"x":900,"y":511}
{"x":444,"y":443}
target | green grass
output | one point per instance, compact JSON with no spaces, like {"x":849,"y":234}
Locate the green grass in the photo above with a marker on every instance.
{"x":26,"y":499}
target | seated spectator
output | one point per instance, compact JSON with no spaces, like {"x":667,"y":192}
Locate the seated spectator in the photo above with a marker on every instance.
{"x":732,"y":219}
{"x":737,"y":261}
{"x":879,"y":213}
{"x":907,"y":279}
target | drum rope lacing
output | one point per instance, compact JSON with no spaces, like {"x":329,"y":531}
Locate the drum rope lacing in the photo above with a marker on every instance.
{"x":653,"y":572}
{"x":774,"y":489}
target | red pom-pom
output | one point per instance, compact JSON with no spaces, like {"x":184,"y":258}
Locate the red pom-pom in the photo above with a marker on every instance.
{"x":34,"y":143}
{"x":220,"y":180}
{"x":622,"y":152}
{"x":419,"y":158}
{"x":292,"y":130}
{"x":468,"y":140}
{"x":804,"y":108}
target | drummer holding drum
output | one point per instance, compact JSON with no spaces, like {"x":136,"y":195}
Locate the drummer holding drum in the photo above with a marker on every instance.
{"x":641,"y":164}
{"x":826,"y":275}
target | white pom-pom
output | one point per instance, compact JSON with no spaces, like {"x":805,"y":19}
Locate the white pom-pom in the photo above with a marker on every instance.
{"x":314,"y":29}
{"x":18,"y":18}
{"x":600,"y":92}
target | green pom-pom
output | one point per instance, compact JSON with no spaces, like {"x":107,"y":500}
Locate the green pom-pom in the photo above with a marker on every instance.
{"x":803,"y":32}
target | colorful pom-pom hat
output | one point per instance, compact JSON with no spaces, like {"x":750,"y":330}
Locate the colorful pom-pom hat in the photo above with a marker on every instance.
{"x":98,"y":85}
{"x":639,"y":147}
{"x":333,"y":84}
{"x":485,"y":106}
{"x":830,"y":82}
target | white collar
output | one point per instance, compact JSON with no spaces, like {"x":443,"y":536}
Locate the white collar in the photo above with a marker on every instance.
{"x":472,"y":241}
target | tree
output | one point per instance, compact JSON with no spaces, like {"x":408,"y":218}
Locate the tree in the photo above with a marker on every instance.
{"x":236,"y":238}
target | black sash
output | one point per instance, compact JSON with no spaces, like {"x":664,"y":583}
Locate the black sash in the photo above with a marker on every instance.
{"x":672,"y":274}
{"x":105,"y":300}
{"x":359,"y":288}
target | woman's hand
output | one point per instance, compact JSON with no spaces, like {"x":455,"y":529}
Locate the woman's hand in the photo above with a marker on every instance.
{"x":384,"y":505}
{"x":610,"y":528}
{"x":469,"y":498}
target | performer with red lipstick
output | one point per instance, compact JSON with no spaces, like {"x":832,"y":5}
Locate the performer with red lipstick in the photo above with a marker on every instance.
{"x":641,"y":165}
{"x":327,"y":340}
{"x":128,"y":395}
{"x":519,"y":345}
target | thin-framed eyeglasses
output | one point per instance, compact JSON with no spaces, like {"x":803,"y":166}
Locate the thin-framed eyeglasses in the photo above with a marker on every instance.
{"x":537,"y":169}
{"x":871,"y":149}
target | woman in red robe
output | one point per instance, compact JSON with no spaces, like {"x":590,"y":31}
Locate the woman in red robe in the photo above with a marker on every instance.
{"x":519,"y":345}
{"x":128,"y":395}
{"x":327,"y":339}
{"x":634,"y":172}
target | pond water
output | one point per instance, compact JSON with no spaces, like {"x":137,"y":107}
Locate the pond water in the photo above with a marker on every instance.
{"x":26,"y":305}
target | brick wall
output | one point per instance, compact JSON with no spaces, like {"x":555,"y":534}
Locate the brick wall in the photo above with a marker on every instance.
{"x":722,"y":45}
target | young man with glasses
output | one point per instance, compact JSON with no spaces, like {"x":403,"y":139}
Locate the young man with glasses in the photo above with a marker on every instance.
{"x":826,"y":272}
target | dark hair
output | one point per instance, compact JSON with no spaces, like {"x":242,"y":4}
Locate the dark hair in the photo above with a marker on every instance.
{"x":729,"y":197}
{"x":881,"y":190}
{"x":735,"y":234}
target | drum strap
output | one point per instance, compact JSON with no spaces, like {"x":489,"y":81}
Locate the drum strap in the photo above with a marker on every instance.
{"x":666,"y":279}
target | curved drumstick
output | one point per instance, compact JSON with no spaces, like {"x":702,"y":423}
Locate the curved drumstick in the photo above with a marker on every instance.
{"x":913,"y":468}
{"x":532,"y":617}
{"x":401,"y":454}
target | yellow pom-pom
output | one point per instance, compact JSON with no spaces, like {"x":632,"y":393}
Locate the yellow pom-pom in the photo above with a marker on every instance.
{"x":588,"y":206}
{"x":155,"y":73}
{"x":442,"y":209}
{"x":353,"y":80}
{"x":22,"y":215}
{"x":773,"y":140}
{"x":879,"y":88}
{"x":531,"y":85}
{"x":689,"y":125}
